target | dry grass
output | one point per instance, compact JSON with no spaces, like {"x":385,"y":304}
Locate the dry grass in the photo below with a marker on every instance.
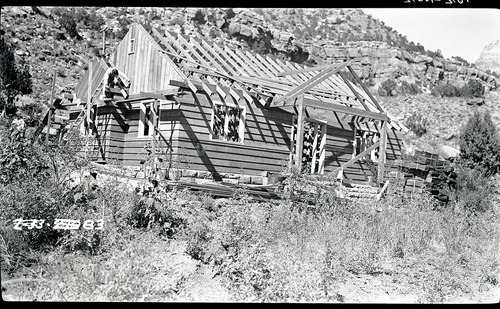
{"x":445,"y":116}
{"x":346,"y":252}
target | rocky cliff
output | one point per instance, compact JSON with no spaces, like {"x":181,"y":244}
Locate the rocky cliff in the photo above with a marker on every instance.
{"x":46,"y":39}
{"x":490,"y":58}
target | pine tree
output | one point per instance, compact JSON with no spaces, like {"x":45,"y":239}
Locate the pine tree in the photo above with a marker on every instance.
{"x":14,"y":79}
{"x":480,"y":144}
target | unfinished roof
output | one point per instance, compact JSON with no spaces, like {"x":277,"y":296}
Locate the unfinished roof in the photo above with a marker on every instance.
{"x":99,"y":67}
{"x":213,"y":64}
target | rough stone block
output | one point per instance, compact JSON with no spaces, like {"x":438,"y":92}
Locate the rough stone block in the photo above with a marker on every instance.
{"x":234,"y":28}
{"x":245,"y":30}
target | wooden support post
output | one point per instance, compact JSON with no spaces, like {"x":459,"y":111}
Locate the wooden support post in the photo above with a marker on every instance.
{"x":315,"y":147}
{"x":50,"y":109}
{"x":382,"y":151}
{"x":89,"y":95}
{"x":154,"y":122}
{"x":104,"y":42}
{"x":299,"y":144}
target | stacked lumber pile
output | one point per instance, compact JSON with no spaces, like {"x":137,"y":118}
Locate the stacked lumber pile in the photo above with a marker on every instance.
{"x":257,"y":192}
{"x":423,"y":172}
{"x":360,"y":192}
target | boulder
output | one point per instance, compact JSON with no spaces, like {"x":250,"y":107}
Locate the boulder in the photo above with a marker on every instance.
{"x":234,"y":28}
{"x":408,"y":57}
{"x":437,"y":64}
{"x":422,"y":59}
{"x":383,"y":53}
{"x":245,"y":30}
{"x":448,"y":152}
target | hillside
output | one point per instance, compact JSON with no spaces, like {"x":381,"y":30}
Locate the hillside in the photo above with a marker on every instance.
{"x":490,"y":58}
{"x":63,"y":39}
{"x":76,"y":230}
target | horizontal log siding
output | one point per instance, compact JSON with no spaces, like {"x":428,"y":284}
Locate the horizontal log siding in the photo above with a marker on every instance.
{"x":133,"y":146}
{"x":266,"y":142}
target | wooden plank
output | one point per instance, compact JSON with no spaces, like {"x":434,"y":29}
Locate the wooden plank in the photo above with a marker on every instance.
{"x":278,"y":68}
{"x":356,"y":158}
{"x":207,"y":55}
{"x":89,"y":93}
{"x":382,"y":151}
{"x":182,"y":51}
{"x":310,"y":83}
{"x":258,"y":63}
{"x":322,"y":149}
{"x":300,"y":132}
{"x":221,"y":53}
{"x":315,"y":147}
{"x":49,"y":119}
{"x":214,"y":62}
{"x":240,"y":63}
{"x":203,"y":61}
{"x":344,"y":109}
{"x":249,"y":61}
{"x":384,"y":188}
{"x":360,"y":99}
{"x":175,"y":54}
{"x":163,"y":41}
{"x":356,"y":77}
{"x":311,"y":69}
{"x":297,"y":79}
{"x":282,"y":89}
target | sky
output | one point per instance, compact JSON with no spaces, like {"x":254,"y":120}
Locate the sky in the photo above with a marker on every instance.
{"x":456,"y":32}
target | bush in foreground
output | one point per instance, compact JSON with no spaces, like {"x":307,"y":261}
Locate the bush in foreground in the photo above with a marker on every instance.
{"x":480,"y":144}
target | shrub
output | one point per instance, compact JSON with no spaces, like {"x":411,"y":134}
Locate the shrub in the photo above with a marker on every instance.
{"x":417,"y":123}
{"x":68,"y":22}
{"x":444,"y":90}
{"x":474,"y":192}
{"x":465,"y":91}
{"x":480,"y":144}
{"x":230,"y":13}
{"x":32,"y":186}
{"x":477,"y":89}
{"x":14,"y":79}
{"x":199,"y":18}
{"x":387,"y":88}
{"x":407,"y":88}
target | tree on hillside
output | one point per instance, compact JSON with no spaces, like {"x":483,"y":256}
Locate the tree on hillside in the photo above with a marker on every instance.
{"x":14,"y":79}
{"x":480,"y":144}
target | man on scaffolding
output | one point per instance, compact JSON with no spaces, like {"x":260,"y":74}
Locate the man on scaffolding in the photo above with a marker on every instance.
{"x":114,"y":78}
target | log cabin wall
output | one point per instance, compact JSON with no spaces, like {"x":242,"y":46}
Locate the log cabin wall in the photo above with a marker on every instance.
{"x":134,"y":145}
{"x":266,"y":145}
{"x":111,"y":129}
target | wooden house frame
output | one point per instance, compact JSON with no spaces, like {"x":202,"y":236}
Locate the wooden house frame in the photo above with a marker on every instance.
{"x":224,"y":111}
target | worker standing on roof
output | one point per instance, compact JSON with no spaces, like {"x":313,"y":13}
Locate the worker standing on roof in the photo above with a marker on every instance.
{"x":113,"y":78}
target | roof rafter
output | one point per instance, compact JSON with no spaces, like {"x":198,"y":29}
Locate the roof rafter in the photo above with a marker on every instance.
{"x":311,"y":83}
